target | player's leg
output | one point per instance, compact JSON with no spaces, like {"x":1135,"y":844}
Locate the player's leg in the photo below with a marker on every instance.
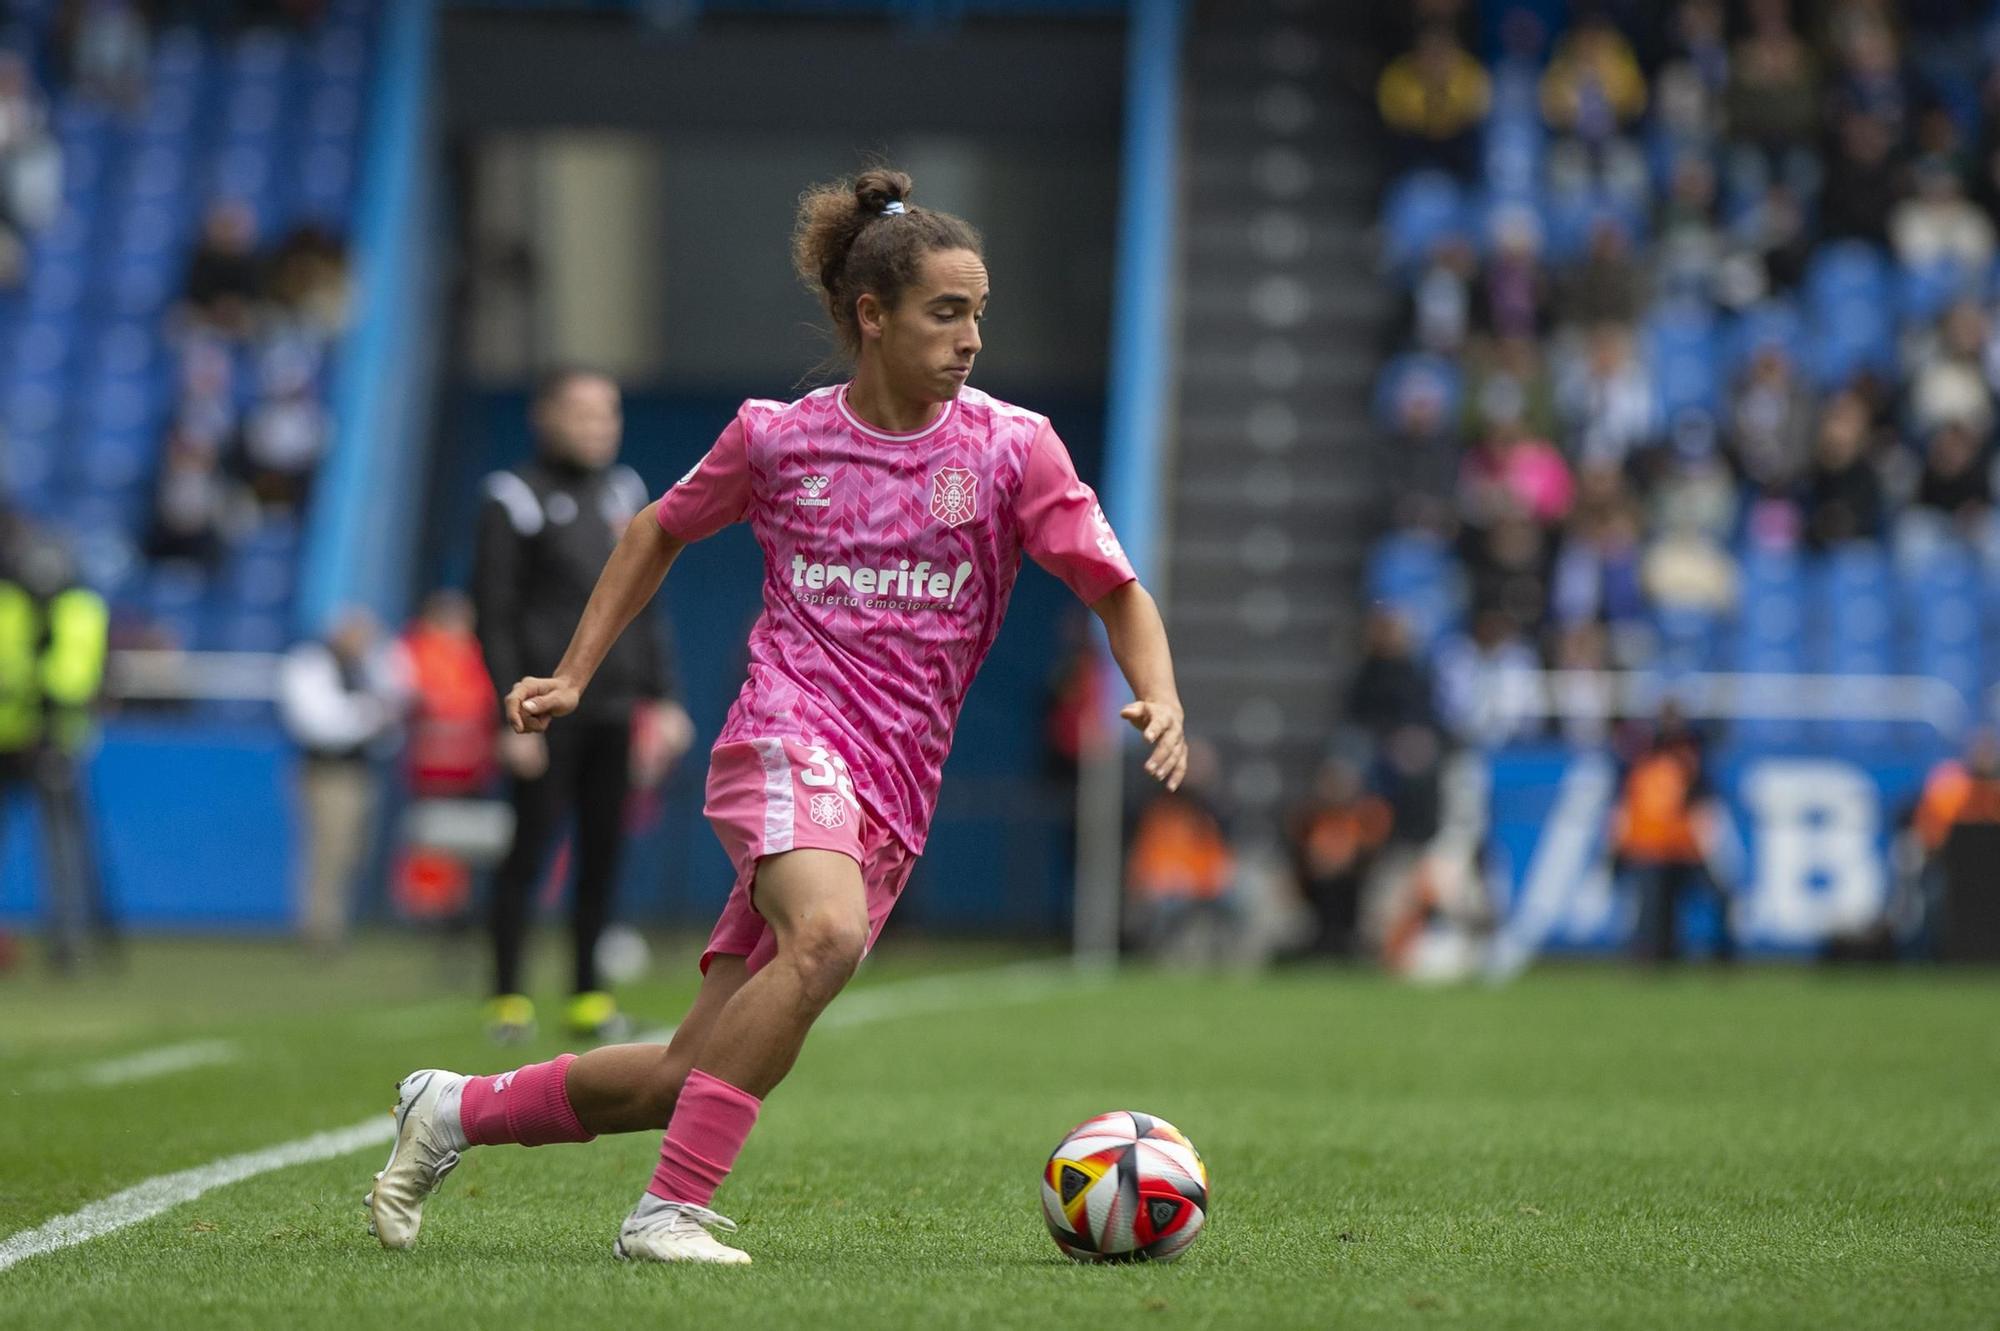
{"x":571,"y":1098}
{"x":603,"y":780}
{"x":816,"y":905}
{"x":633,"y":1087}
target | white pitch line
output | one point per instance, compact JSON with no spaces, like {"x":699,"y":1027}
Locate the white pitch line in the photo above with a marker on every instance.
{"x":142,"y":1066}
{"x":145,"y":1200}
{"x":935,"y":993}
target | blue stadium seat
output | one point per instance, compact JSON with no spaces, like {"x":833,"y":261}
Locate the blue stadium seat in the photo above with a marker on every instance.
{"x":1847,"y":271}
{"x":1421,"y":209}
{"x":1923,"y":292}
{"x":1772,"y":323}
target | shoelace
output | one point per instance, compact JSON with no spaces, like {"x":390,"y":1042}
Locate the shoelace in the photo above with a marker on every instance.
{"x":701,"y":1215}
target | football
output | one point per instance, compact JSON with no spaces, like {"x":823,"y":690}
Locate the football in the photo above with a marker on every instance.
{"x":1124,"y":1186}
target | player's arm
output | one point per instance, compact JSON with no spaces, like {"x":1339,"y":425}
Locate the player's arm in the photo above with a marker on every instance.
{"x":1139,"y":644}
{"x":630,"y":578}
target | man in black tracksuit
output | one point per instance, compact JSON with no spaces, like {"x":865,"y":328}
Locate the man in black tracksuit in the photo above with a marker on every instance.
{"x":546,"y":529}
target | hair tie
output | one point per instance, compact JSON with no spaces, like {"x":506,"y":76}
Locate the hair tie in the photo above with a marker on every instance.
{"x":894,"y":208}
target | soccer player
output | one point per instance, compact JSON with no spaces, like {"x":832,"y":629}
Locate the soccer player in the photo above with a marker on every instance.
{"x":892,"y":511}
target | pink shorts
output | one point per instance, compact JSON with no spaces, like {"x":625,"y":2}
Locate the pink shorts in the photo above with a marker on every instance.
{"x":768,"y":796}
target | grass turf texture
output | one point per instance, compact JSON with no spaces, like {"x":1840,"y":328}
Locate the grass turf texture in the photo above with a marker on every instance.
{"x":1585,"y":1148}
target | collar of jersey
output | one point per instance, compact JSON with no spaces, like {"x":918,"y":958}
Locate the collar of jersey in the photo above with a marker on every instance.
{"x":888,"y":436}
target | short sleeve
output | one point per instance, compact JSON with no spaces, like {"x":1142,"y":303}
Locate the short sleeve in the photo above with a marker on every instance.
{"x":714,"y":493}
{"x":1064,"y":528}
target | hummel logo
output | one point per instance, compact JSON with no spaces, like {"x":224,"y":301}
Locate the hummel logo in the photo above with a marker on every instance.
{"x":815,"y":491}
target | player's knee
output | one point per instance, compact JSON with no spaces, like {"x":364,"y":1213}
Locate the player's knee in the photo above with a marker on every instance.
{"x":826,"y":950}
{"x":661,"y":1090}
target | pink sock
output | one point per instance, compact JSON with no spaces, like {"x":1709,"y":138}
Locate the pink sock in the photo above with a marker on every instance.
{"x":711,"y":1121}
{"x":528,"y":1106}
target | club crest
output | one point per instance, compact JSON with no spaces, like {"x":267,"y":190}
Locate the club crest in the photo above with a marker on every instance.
{"x":954,"y":496}
{"x":827,"y":810}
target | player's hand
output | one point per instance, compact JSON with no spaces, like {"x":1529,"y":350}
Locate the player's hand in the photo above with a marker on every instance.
{"x":1161,"y":725}
{"x":525,"y":756}
{"x":533,"y":703}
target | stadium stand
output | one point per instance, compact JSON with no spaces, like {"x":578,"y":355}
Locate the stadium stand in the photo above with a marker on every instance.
{"x":1698,"y":345}
{"x":169,"y":348}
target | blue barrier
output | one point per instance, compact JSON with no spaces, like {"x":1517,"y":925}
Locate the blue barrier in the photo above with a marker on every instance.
{"x":1142,"y":305}
{"x":195,"y":829}
{"x":362,"y":527}
{"x":1805,"y":854}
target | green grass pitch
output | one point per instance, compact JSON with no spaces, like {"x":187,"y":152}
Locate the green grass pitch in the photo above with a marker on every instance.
{"x":1587,"y":1148}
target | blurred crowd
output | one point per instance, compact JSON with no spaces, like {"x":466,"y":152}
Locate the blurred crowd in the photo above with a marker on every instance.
{"x":249,"y":425}
{"x":1682,"y":286}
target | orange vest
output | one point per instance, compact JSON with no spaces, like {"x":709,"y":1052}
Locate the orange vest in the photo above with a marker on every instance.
{"x":457,"y":714}
{"x":1655,"y":820}
{"x":1179,"y":851}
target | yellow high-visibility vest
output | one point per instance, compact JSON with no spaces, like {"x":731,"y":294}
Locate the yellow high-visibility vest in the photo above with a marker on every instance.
{"x":51,"y":664}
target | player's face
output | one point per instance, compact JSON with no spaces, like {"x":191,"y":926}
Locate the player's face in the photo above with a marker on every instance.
{"x":930,"y":338}
{"x":582,"y":421}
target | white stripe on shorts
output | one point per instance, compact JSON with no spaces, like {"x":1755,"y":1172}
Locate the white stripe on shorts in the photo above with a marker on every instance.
{"x":777,"y":795}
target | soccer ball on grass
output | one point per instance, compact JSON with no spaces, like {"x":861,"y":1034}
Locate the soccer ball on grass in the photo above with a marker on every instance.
{"x":1123,"y":1186}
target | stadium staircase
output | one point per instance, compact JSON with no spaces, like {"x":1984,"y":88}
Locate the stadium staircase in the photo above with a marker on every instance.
{"x":1271,"y":507}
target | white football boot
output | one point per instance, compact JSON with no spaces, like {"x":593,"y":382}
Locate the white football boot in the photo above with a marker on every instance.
{"x":427,"y":1145}
{"x":660,"y":1231}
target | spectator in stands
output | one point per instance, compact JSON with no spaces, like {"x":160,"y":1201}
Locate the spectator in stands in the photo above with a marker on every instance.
{"x":342,"y":701}
{"x":1607,"y":286}
{"x":206,"y":408}
{"x":1686,"y":568}
{"x":105,"y":45}
{"x":1333,"y":838}
{"x":1864,"y":180}
{"x":1593,"y":87}
{"x":193,"y":502}
{"x":1771,"y":422}
{"x":1770,"y":241}
{"x":1510,"y":471}
{"x":1843,"y":490}
{"x":1690,"y":245}
{"x":308,"y":279}
{"x":1510,"y":569}
{"x":1423,"y":445}
{"x":1608,"y":401}
{"x":1513,"y":301}
{"x":1773,"y":101}
{"x":1433,"y":99}
{"x":1391,"y":689}
{"x":1661,"y":830}
{"x":1591,"y":92}
{"x":1488,"y":689}
{"x":282,"y":443}
{"x":224,"y":276}
{"x":1870,"y":80}
{"x":1954,"y":499}
{"x":1438,"y":317}
{"x":30,"y":166}
{"x":1596,"y":575}
{"x":1948,"y":381}
{"x":1938,"y":224}
{"x":1509,"y":382}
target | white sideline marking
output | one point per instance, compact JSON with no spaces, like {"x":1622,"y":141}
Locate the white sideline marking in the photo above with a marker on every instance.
{"x":933,"y":993}
{"x":143,"y":1066}
{"x":146,"y":1200}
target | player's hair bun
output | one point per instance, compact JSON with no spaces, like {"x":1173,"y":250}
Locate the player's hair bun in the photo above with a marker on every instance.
{"x":878,"y":187}
{"x":842,"y":246}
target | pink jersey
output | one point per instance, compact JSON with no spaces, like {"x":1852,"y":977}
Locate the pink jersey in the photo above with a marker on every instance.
{"x":888,"y":561}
